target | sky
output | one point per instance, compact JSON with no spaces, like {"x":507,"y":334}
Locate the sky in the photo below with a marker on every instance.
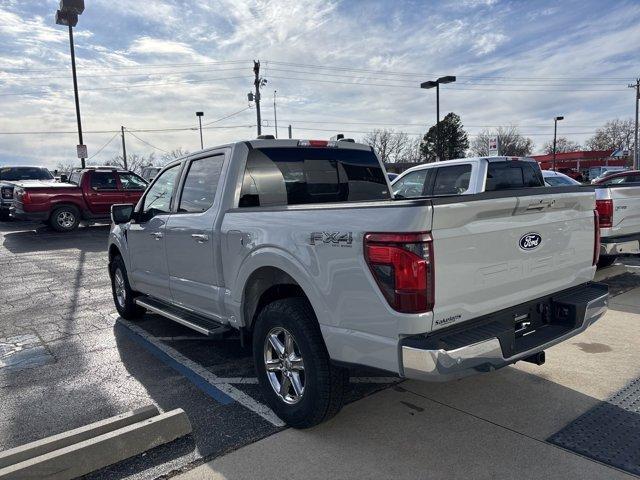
{"x":337,"y":66}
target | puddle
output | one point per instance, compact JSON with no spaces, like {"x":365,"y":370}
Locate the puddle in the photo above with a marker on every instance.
{"x":23,"y":351}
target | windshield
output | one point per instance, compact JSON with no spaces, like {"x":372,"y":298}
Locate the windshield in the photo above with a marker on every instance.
{"x":560,"y":181}
{"x":14,"y":174}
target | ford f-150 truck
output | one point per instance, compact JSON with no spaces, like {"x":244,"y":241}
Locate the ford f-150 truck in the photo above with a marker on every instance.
{"x":9,"y":175}
{"x":466,"y":176}
{"x":301,"y":246}
{"x":87,"y":195}
{"x":618,"y":203}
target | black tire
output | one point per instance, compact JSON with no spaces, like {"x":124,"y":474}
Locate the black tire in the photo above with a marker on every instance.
{"x":325,"y":385}
{"x":4,"y":216}
{"x":65,"y":219}
{"x":606,"y":260}
{"x":126,"y":306}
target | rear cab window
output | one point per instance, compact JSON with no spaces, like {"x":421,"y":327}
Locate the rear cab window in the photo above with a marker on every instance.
{"x":103,"y":181}
{"x":279,"y":176}
{"x":15,"y":174}
{"x":506,"y":175}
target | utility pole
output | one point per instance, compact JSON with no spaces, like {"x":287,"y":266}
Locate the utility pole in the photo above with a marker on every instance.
{"x":555,"y":133}
{"x":290,"y":132}
{"x":636,"y":156}
{"x":199,"y":115}
{"x":275,"y":114}
{"x":124,"y":149}
{"x":256,"y":83}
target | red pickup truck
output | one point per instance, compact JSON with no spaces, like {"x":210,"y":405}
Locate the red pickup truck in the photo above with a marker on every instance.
{"x":87,"y":195}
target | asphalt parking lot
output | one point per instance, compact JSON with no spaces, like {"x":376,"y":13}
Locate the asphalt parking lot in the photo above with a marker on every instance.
{"x":66,"y":359}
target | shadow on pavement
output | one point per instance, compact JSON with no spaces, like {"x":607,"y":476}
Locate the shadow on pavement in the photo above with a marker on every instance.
{"x":43,"y":239}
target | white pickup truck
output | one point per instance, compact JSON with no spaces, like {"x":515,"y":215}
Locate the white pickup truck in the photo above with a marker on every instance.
{"x":618,"y":204}
{"x":301,"y":246}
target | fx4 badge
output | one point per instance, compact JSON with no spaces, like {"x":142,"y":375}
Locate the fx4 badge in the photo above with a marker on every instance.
{"x":529,"y":241}
{"x":336,"y":239}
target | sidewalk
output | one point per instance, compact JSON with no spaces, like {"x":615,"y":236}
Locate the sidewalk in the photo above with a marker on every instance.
{"x":490,"y":426}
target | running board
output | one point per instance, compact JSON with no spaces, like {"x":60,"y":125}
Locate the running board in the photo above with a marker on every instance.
{"x":191,"y":320}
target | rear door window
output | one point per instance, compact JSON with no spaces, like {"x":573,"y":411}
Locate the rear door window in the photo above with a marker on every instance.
{"x":512,"y":174}
{"x":299,"y":176}
{"x":103,"y":181}
{"x":452,"y":180}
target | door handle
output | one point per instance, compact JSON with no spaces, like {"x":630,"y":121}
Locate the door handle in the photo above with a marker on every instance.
{"x":157,"y":235}
{"x":200,"y":237}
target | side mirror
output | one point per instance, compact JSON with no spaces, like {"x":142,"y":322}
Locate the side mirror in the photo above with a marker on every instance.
{"x":121,"y":213}
{"x":64,"y":178}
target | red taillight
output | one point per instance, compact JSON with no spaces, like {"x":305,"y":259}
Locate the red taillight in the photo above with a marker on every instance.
{"x":596,"y":239}
{"x":402,"y":264}
{"x":605,"y":212}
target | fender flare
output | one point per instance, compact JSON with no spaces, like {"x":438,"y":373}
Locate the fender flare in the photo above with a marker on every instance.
{"x":274,"y":257}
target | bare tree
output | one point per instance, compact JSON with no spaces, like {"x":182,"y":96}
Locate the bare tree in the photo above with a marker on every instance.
{"x":412,"y":152}
{"x":391,"y":146}
{"x":563,"y":144}
{"x":511,"y":142}
{"x":135,"y":162}
{"x":173,"y":155}
{"x":615,"y":133}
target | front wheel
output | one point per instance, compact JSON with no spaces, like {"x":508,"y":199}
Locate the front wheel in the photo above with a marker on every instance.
{"x":65,"y":219}
{"x":293,"y":367}
{"x":123,"y":295}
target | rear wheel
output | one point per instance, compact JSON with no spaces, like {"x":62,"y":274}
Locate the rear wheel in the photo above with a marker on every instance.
{"x":123,"y":295}
{"x":65,"y":219}
{"x":293,"y":367}
{"x":606,"y":260}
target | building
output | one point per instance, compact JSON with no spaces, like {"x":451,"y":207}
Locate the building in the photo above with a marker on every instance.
{"x":581,"y":160}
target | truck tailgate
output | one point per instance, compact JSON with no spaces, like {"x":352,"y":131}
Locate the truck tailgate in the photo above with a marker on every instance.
{"x":499,"y":249}
{"x":626,"y":210}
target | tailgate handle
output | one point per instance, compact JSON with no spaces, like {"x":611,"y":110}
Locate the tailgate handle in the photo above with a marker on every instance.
{"x":541,"y":204}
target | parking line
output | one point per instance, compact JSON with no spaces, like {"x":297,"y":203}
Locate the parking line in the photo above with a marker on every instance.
{"x":206,"y":381}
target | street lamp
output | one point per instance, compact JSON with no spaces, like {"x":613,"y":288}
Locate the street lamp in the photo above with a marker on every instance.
{"x":200,"y":115}
{"x":68,"y":15}
{"x":436,"y":83}
{"x":555,"y":133}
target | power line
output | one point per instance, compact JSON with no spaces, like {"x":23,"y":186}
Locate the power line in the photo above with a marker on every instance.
{"x":144,"y":141}
{"x":149,"y":130}
{"x":117,"y":67}
{"x":103,"y":146}
{"x":227,"y":116}
{"x":422,"y":133}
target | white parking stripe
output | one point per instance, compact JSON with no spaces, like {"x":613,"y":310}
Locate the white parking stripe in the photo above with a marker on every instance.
{"x":225,"y":387}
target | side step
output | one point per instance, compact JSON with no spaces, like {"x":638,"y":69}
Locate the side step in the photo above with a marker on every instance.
{"x":192,"y":320}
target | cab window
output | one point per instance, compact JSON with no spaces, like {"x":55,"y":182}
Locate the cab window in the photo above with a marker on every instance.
{"x":200,"y":184}
{"x":411,"y":185}
{"x":158,"y":198}
{"x":131,"y":181}
{"x":103,"y":181}
{"x":452,"y":180}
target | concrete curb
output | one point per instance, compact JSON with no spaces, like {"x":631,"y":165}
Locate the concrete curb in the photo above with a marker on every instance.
{"x":103,"y":450}
{"x":64,"y":439}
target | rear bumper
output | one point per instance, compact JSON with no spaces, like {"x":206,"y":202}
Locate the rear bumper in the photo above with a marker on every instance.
{"x":22,"y":215}
{"x":628,"y":244}
{"x":489,"y":343}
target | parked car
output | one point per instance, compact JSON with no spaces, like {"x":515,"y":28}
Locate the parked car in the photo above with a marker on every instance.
{"x":618,"y":204}
{"x":572,"y":173}
{"x":557,"y":179}
{"x":149,"y":173}
{"x":597,"y":173}
{"x":9,"y":175}
{"x":87,"y":195}
{"x":302,"y":248}
{"x":468,"y":176}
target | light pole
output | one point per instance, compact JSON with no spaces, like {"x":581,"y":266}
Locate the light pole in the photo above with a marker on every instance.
{"x":68,"y":15}
{"x":555,"y":134}
{"x":200,"y":115}
{"x":431,"y":84}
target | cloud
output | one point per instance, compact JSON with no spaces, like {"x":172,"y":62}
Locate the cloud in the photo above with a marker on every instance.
{"x":487,"y":42}
{"x":148,"y":45}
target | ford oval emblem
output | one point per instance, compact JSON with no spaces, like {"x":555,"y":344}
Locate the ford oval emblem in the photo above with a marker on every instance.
{"x":529,"y":241}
